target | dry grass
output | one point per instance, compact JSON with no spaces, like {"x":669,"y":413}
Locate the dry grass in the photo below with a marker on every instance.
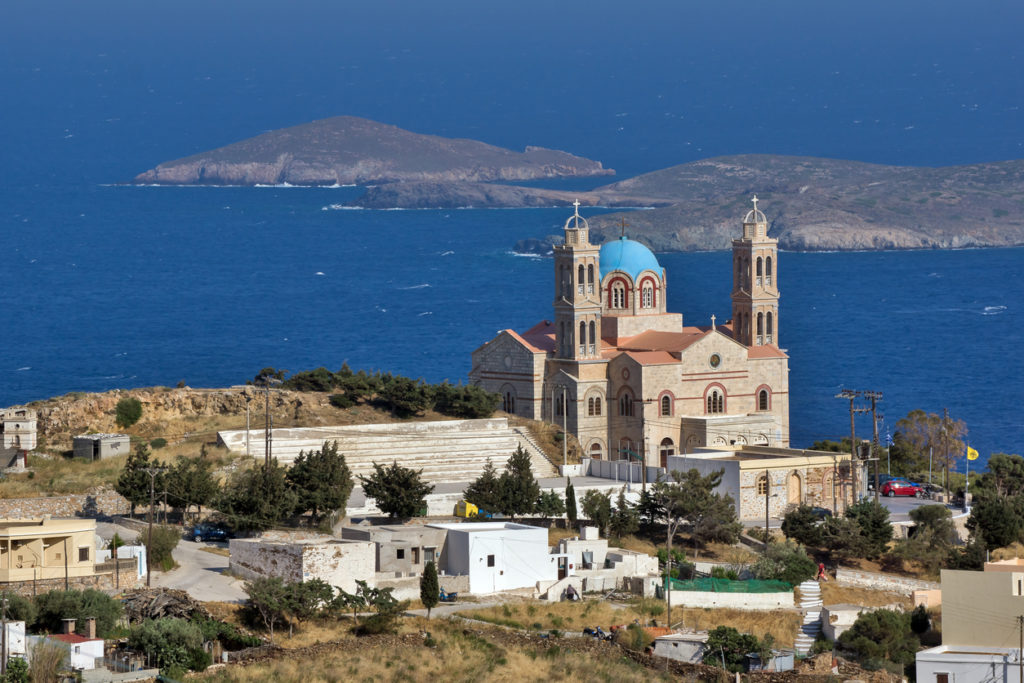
{"x":564,"y":616}
{"x":216,"y":550}
{"x":57,"y":475}
{"x":782,"y":624}
{"x":548,"y":437}
{"x":457,"y":654}
{"x":832,"y":594}
{"x":1009,"y":552}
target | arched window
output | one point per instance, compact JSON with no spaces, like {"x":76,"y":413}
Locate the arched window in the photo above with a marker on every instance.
{"x":583,"y":337}
{"x":760,"y":324}
{"x":794,"y":489}
{"x":758,"y":266}
{"x":666,"y":406}
{"x":667,"y":448}
{"x":559,"y":402}
{"x":566,"y":278}
{"x":618,"y":296}
{"x":508,"y":402}
{"x":593,"y":338}
{"x":579,"y":279}
{"x":590,"y":279}
{"x":647,"y":300}
{"x":762,"y":400}
{"x":768,"y":270}
{"x":594,"y":406}
{"x":762,"y":485}
{"x":595,"y":451}
{"x":771,"y":327}
{"x":626,"y":405}
{"x":715,"y":402}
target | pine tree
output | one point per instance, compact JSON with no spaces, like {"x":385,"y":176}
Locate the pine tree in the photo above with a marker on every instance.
{"x":625,"y":520}
{"x":399,"y":492}
{"x":430,"y":589}
{"x":321,"y":480}
{"x":485,"y":492}
{"x":258,"y":499}
{"x":191,"y":482}
{"x":519,"y":489}
{"x":570,"y":503}
{"x":134,"y":481}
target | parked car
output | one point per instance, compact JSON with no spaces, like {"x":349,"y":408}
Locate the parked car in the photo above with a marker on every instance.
{"x":821,"y":513}
{"x":208,"y":532}
{"x":900,"y":487}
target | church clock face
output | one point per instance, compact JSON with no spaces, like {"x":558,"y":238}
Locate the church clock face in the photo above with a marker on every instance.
{"x":715,"y":360}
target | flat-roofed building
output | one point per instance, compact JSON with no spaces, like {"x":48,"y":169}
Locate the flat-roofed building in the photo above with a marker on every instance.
{"x":38,"y":549}
{"x":101,"y":446}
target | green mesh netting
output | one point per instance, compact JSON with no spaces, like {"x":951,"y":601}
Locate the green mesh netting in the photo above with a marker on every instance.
{"x":729,"y":586}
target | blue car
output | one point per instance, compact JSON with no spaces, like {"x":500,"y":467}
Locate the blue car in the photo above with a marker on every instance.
{"x":208,"y":532}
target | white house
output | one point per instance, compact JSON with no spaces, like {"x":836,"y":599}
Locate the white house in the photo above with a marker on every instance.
{"x":82,"y":652}
{"x":499,"y":556}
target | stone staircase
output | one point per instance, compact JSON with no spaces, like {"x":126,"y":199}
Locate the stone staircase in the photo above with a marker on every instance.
{"x":446,"y":451}
{"x":810,"y":602}
{"x":541,"y":465}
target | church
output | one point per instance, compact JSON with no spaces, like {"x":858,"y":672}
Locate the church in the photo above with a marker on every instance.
{"x":628,"y":377}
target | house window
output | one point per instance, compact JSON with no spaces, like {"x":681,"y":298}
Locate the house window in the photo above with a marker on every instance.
{"x":943,"y":678}
{"x":83,"y":554}
{"x":429,"y":554}
{"x":762,"y":485}
{"x":595,"y":451}
{"x":716,"y":402}
{"x":626,"y":405}
{"x":490,"y":560}
{"x":762,"y":399}
{"x":666,"y":406}
{"x":400,"y":553}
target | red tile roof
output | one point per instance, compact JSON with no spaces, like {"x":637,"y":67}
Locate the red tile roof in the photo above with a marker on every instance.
{"x":765,"y":352}
{"x":660,"y":341}
{"x":73,"y":638}
{"x":652,"y":357}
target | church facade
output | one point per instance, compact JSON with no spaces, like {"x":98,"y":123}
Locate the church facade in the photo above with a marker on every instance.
{"x":628,"y":377}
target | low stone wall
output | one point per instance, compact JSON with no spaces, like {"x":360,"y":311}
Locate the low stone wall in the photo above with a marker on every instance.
{"x":408,"y":587}
{"x":103,"y":580}
{"x":747,"y":601}
{"x":882,"y":582}
{"x":99,"y":502}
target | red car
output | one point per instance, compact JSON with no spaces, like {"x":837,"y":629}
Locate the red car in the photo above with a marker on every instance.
{"x":900,"y":487}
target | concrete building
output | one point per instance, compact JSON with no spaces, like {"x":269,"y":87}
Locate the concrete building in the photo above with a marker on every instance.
{"x":402,"y":550}
{"x":836,"y":619}
{"x":628,"y":377}
{"x":39,"y":549}
{"x":499,"y":556}
{"x":338,"y":562}
{"x":782,"y":477}
{"x":17,"y":437}
{"x":82,"y":651}
{"x":100,"y":446}
{"x":980,"y":628}
{"x":687,"y":646}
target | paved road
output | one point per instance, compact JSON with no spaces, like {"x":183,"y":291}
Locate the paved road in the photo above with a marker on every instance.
{"x":200,"y":574}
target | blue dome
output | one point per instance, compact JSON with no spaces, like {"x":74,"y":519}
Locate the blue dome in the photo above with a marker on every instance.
{"x":628,"y":257}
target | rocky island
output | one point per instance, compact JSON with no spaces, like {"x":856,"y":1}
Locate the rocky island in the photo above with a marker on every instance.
{"x":346,"y":150}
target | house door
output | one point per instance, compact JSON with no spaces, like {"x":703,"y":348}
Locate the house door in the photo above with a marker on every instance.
{"x":562,"y":567}
{"x":794,"y":497}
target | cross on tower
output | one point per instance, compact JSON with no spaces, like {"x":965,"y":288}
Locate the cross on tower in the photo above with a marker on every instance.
{"x":713,"y":321}
{"x":755,"y":202}
{"x":576,"y":213}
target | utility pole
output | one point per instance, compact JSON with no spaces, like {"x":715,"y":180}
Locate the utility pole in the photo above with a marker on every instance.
{"x":875,"y":397}
{"x":565,"y":429}
{"x":767,"y":496}
{"x":248,"y":400}
{"x":1020,"y":653}
{"x":945,"y":449}
{"x":152,"y":472}
{"x":852,"y":395}
{"x":3,"y":645}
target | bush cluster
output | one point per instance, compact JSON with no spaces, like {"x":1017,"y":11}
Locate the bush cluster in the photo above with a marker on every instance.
{"x":403,"y":396}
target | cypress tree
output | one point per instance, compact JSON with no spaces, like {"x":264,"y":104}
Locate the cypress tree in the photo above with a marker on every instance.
{"x":430,"y":590}
{"x":570,"y":503}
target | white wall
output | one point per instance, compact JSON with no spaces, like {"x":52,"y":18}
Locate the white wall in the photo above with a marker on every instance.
{"x":749,"y":601}
{"x":520,"y":554}
{"x":968,"y":665}
{"x":705,"y":465}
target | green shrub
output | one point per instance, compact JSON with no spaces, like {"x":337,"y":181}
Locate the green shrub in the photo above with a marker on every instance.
{"x":127,"y":412}
{"x":165,"y":540}
{"x":175,"y":644}
{"x":54,"y":606}
{"x":158,"y":442}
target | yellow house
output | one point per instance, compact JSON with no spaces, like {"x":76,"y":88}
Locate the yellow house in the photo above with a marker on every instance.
{"x":39,"y":549}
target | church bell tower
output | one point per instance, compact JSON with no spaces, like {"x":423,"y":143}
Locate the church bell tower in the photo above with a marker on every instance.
{"x":755,"y":285}
{"x":577,"y":293}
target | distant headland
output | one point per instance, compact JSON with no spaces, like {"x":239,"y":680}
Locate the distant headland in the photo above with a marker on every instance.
{"x":346,"y":150}
{"x":813,"y":204}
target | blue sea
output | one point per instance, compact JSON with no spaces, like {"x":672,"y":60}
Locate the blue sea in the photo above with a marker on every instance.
{"x":108,"y":285}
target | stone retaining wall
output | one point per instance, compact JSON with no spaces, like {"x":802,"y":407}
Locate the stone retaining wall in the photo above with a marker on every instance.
{"x":103,"y":580}
{"x":882,"y":582}
{"x":98,"y":502}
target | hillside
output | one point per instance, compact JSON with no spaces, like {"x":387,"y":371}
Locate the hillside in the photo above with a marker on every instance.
{"x":346,"y":150}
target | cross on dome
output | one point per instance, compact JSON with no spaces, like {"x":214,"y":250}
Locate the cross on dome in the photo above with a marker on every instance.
{"x":755,"y":202}
{"x":713,"y":322}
